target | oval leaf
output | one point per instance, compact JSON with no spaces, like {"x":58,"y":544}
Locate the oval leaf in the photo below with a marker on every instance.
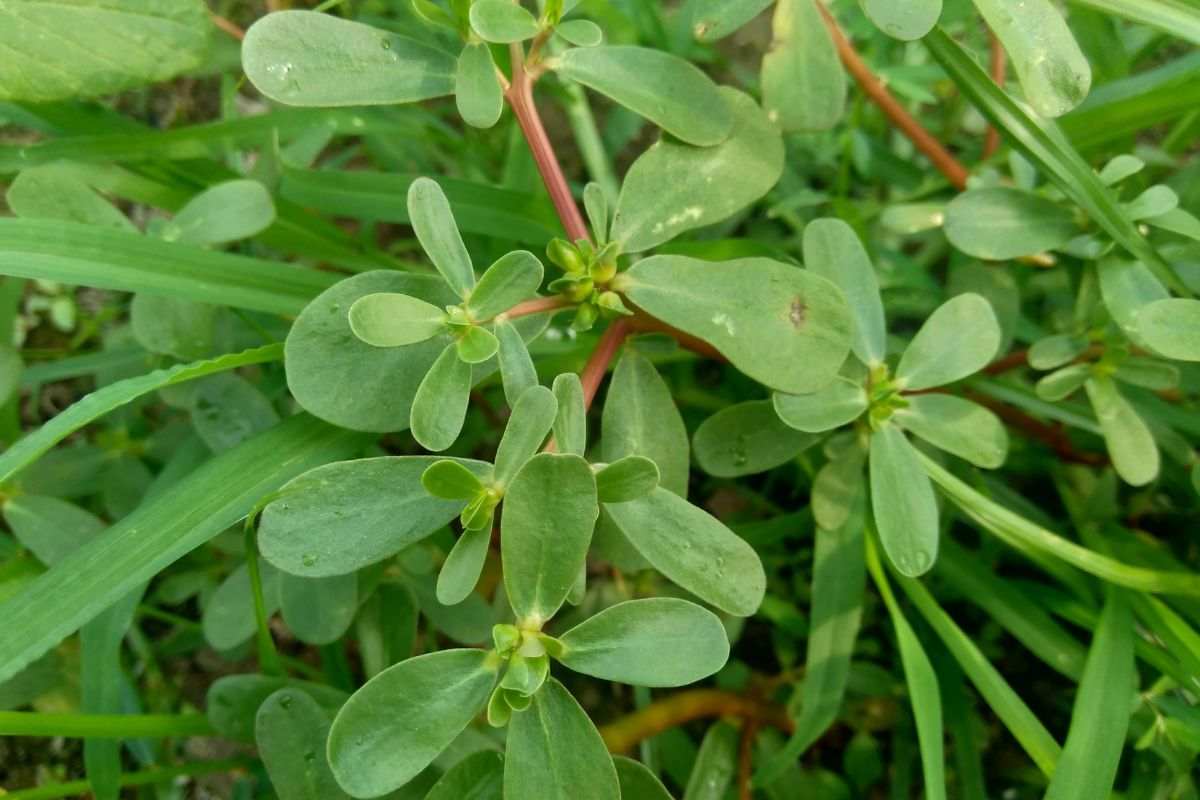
{"x":290,"y":730}
{"x":958,"y":426}
{"x":833,"y":250}
{"x":513,"y":278}
{"x":958,"y":339}
{"x":532,"y":418}
{"x":477,"y":90}
{"x":463,"y":566}
{"x":627,"y":479}
{"x":1130,"y":443}
{"x":841,"y":402}
{"x":640,"y":418}
{"x":503,"y":21}
{"x":746,"y":439}
{"x":803,"y":83}
{"x":318,"y":610}
{"x":387,"y":319}
{"x":902,"y":500}
{"x":225,"y":213}
{"x":433,"y":222}
{"x":1171,"y":327}
{"x":903,"y":19}
{"x":999,"y":223}
{"x":440,"y":404}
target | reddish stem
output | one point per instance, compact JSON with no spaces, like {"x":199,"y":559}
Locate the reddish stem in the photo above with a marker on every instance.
{"x":999,"y":68}
{"x":228,"y":27}
{"x":874,"y":88}
{"x":598,"y":363}
{"x":537,"y":305}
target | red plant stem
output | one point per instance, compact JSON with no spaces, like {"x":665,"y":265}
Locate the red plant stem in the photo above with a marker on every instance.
{"x":875,"y":89}
{"x":228,"y":27}
{"x":999,"y":67}
{"x":520,"y":99}
{"x":746,"y":758}
{"x":537,"y":305}
{"x":623,"y":734}
{"x":598,"y":363}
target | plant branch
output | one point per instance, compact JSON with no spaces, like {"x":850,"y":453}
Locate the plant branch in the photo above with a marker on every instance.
{"x":999,"y":68}
{"x":624,"y":734}
{"x":875,"y":89}
{"x":746,"y":759}
{"x":227,"y":26}
{"x":601,"y":358}
{"x":537,"y":305}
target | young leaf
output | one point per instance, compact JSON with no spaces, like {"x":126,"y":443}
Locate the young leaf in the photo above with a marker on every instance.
{"x":513,"y":278}
{"x":342,"y":379}
{"x":595,"y":202}
{"x":404,"y":717}
{"x":999,"y":223}
{"x":463,"y":566}
{"x":549,"y":512}
{"x":1055,"y":351}
{"x":581,"y":32}
{"x":433,"y":222}
{"x":746,"y":439}
{"x":640,"y":418}
{"x":554,"y":752}
{"x":785,"y":327}
{"x":693,"y":549}
{"x":1130,"y":443}
{"x":224,"y":213}
{"x":517,"y":371}
{"x":1053,"y":71}
{"x":502,"y":21}
{"x":440,"y":404}
{"x":290,"y":731}
{"x":665,"y":89}
{"x":306,"y":58}
{"x":627,"y":479}
{"x":716,"y":764}
{"x":1061,"y":384}
{"x":570,"y":424}
{"x":450,"y":480}
{"x":716,"y":19}
{"x":838,"y":403}
{"x":673,"y":188}
{"x":476,"y":345}
{"x":477,"y":91}
{"x":1100,"y":718}
{"x":958,"y":339}
{"x":532,"y":418}
{"x":803,"y":83}
{"x":479,"y":776}
{"x":1171,"y":327}
{"x":637,"y":781}
{"x":387,"y":319}
{"x":318,"y":610}
{"x":655,"y":642}
{"x":958,"y":426}
{"x":341,"y":517}
{"x":903,"y":503}
{"x":833,"y":250}
{"x":907,"y":20}
{"x":170,"y":38}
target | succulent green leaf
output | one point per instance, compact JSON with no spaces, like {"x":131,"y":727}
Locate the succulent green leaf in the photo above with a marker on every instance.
{"x":660,"y":641}
{"x":306,"y":58}
{"x":234,"y":700}
{"x":463,"y":566}
{"x":1147,"y":373}
{"x":999,"y":223}
{"x":570,"y":424}
{"x":837,"y":487}
{"x":1062,"y":383}
{"x":388,"y":319}
{"x":581,"y":32}
{"x":48,"y":527}
{"x":531,"y":420}
{"x":640,"y":418}
{"x":1130,"y":444}
{"x":839,"y":403}
{"x":341,"y":517}
{"x":517,"y":372}
{"x":503,"y":21}
{"x":433,"y":221}
{"x":958,"y":426}
{"x":476,"y":345}
{"x":1055,"y":351}
{"x":637,"y":781}
{"x":833,"y":250}
{"x":745,"y":439}
{"x":1053,"y":71}
{"x":479,"y":776}
{"x":404,"y":717}
{"x":1171,"y":327}
{"x":958,"y":339}
{"x":1154,"y":202}
{"x":171,"y":326}
{"x":550,"y":510}
{"x":224,"y":213}
{"x":902,"y":501}
{"x":440,"y":405}
{"x":664,"y":88}
{"x":906,"y":20}
{"x":803,"y":82}
{"x":907,"y":219}
{"x":228,"y":618}
{"x":152,"y":40}
{"x":554,"y":752}
{"x":673,"y":188}
{"x":55,"y":191}
{"x":627,"y":479}
{"x":785,"y":327}
{"x":477,"y":91}
{"x":716,"y":764}
{"x":342,"y":379}
{"x":512,"y":278}
{"x":693,"y":549}
{"x":595,"y":202}
{"x":318,"y":610}
{"x":716,"y":19}
{"x":1121,"y":167}
{"x":290,"y":731}
{"x":1127,"y":288}
{"x":450,"y":480}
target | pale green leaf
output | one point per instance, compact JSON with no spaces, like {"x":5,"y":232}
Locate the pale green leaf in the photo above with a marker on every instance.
{"x":999,"y":223}
{"x":1130,"y":444}
{"x":716,"y":19}
{"x":479,"y":776}
{"x":55,"y":191}
{"x":833,"y":250}
{"x":450,"y":480}
{"x":290,"y":731}
{"x":531,"y":420}
{"x":503,"y":21}
{"x":637,"y":781}
{"x":907,"y":20}
{"x":716,"y":764}
{"x":902,"y":502}
{"x":517,"y":372}
{"x":433,"y":221}
{"x":477,"y":90}
{"x":387,"y":319}
{"x":581,"y":32}
{"x":440,"y":404}
{"x":233,"y":701}
{"x":640,"y":418}
{"x":745,"y":439}
{"x":1171,"y":327}
{"x":1127,"y":288}
{"x":957,"y":340}
{"x":48,"y":527}
{"x":180,"y":328}
{"x":839,"y":403}
{"x":228,"y":618}
{"x":476,"y":345}
{"x":305,"y":58}
{"x":512,"y":278}
{"x":223,"y":213}
{"x":463,"y":566}
{"x":958,"y":426}
{"x":1154,"y":202}
{"x":627,"y":479}
{"x":836,"y":488}
{"x":1055,"y":351}
{"x":570,"y":424}
{"x":1062,"y":383}
{"x":803,"y":82}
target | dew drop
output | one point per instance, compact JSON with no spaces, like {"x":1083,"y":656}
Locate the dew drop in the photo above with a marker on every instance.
{"x":308,"y":559}
{"x":285,"y":701}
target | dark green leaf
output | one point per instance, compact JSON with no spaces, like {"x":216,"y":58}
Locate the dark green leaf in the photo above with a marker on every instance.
{"x":290,"y":731}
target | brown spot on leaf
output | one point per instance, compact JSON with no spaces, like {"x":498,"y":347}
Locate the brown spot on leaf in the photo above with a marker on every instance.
{"x":799,"y":312}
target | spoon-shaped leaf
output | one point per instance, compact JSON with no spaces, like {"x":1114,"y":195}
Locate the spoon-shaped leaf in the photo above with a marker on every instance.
{"x":450,"y":480}
{"x":433,"y":222}
{"x":640,"y":418}
{"x":440,"y":405}
{"x":661,"y":641}
{"x":788,"y":328}
{"x":290,"y":731}
{"x":745,"y":439}
{"x":404,"y":717}
{"x":463,"y":566}
{"x":476,"y":345}
{"x":318,"y":610}
{"x":1130,"y":443}
{"x":479,"y":776}
{"x":477,"y":91}
{"x":903,"y":19}
{"x":958,"y":426}
{"x":627,"y":479}
{"x":554,"y":752}
{"x":716,"y":19}
{"x":833,"y":250}
{"x":665,"y":89}
{"x":693,"y":549}
{"x":503,"y":21}
{"x":387,"y":319}
{"x":958,"y":339}
{"x":803,"y":83}
{"x":838,"y":403}
{"x":532,"y":418}
{"x":581,"y":32}
{"x":673,"y":188}
{"x":233,"y":701}
{"x":1171,"y":327}
{"x":999,"y":223}
{"x":549,"y":513}
{"x":517,"y":371}
{"x":513,"y":278}
{"x":903,"y":503}
{"x":305,"y":58}
{"x":1053,"y":71}
{"x":570,"y":424}
{"x":227,"y":212}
